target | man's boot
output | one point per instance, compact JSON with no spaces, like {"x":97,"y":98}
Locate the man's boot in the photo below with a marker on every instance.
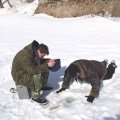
{"x":40,"y":100}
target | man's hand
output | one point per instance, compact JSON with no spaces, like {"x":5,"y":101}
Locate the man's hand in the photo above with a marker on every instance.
{"x":51,"y":63}
{"x":90,"y":98}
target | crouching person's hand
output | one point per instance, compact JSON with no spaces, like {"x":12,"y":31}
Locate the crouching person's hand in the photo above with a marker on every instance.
{"x":51,"y":63}
{"x":90,"y":98}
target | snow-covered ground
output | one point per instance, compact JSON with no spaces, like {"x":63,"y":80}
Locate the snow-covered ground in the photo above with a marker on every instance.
{"x":69,"y":39}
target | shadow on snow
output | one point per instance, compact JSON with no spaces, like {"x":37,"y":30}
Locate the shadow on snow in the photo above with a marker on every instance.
{"x":54,"y":79}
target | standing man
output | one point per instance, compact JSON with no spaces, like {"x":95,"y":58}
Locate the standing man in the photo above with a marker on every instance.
{"x":31,"y":69}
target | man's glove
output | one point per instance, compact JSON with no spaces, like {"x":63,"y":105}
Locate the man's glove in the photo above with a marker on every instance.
{"x":42,"y":61}
{"x":90,"y":98}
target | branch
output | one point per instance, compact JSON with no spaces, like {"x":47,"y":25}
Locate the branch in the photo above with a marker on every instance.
{"x":8,"y":3}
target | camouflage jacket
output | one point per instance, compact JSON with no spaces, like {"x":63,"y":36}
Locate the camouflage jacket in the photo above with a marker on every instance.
{"x":24,"y":65}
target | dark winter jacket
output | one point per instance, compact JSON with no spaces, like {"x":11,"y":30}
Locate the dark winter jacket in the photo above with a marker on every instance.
{"x":25,"y":65}
{"x":90,"y":71}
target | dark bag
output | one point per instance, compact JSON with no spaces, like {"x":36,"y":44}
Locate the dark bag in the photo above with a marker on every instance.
{"x":110,"y":70}
{"x":57,"y":66}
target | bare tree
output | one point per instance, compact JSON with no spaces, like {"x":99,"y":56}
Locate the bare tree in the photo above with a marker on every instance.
{"x":7,"y":2}
{"x":1,"y":5}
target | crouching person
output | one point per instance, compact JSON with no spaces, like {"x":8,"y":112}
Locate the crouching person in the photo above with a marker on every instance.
{"x":31,"y":69}
{"x":90,"y":71}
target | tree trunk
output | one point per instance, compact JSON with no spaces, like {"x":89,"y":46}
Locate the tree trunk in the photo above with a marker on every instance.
{"x":1,"y":5}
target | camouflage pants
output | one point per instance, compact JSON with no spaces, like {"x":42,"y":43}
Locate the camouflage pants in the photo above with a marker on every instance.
{"x":40,"y":81}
